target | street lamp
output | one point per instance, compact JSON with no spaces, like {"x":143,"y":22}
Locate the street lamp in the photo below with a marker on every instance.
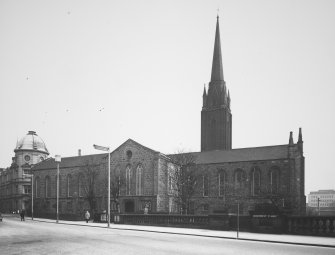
{"x":102,"y":148}
{"x":58,"y":160}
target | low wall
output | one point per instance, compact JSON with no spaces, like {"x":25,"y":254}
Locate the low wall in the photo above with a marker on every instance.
{"x":311,"y":225}
{"x":302,"y":225}
{"x":163,"y":220}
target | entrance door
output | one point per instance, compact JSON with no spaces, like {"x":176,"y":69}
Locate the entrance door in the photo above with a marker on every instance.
{"x":129,"y":206}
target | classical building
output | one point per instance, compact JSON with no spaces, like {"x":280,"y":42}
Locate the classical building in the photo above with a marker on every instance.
{"x":321,"y":202}
{"x":267,"y":179}
{"x":15,"y":181}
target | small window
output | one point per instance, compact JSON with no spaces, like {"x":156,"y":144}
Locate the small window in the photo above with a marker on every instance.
{"x":129,"y":154}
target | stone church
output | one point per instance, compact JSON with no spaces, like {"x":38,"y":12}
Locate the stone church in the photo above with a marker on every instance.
{"x":259,"y":178}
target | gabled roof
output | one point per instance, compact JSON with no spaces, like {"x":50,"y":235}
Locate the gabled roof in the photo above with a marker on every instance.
{"x":129,"y":141}
{"x":243,"y":154}
{"x":66,"y":162}
{"x":78,"y":161}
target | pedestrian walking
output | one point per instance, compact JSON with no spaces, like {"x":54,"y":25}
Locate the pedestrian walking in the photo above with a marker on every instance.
{"x":22,"y":213}
{"x":87,"y":216}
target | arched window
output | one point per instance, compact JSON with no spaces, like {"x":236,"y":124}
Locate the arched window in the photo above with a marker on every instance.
{"x":37,"y":187}
{"x":81,"y":187}
{"x":222,"y":179}
{"x":212,"y":133}
{"x":205,"y":185}
{"x":274,"y":180}
{"x":117,"y":180}
{"x":139,"y":186}
{"x":47,"y":186}
{"x":239,"y":179}
{"x":69,"y":189}
{"x":255,"y":181}
{"x":128,"y":180}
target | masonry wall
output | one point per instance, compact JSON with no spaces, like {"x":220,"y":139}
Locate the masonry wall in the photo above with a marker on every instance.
{"x":227,"y":201}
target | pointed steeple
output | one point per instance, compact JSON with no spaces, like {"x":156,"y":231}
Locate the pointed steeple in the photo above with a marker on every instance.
{"x":204,"y":97}
{"x":300,"y":136}
{"x":300,"y":142}
{"x":217,"y":70}
{"x":291,"y":139}
{"x":228,"y":99}
{"x":204,"y":94}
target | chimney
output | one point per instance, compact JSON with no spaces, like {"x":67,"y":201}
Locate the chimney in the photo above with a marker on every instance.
{"x":79,"y":152}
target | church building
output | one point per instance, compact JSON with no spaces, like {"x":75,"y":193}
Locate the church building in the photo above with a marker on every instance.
{"x":218,"y":178}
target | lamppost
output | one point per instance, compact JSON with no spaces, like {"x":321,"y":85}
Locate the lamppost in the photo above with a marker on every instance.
{"x":102,"y":148}
{"x":58,"y":160}
{"x":238,"y":219}
{"x":32,"y":196}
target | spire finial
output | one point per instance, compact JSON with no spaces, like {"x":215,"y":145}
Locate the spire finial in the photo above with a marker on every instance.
{"x":217,"y":13}
{"x":300,"y":135}
{"x":291,"y":139}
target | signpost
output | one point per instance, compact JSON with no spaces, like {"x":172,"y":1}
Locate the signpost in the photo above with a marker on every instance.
{"x":102,"y":148}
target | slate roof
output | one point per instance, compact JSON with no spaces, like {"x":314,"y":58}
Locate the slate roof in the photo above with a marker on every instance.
{"x":70,"y":161}
{"x":243,"y":154}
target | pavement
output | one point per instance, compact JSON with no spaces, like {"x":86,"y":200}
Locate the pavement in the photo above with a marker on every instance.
{"x":246,"y":236}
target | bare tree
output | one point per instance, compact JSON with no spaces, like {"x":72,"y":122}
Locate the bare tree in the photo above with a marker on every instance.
{"x":183,"y":180}
{"x":117,"y":181}
{"x":90,"y":173}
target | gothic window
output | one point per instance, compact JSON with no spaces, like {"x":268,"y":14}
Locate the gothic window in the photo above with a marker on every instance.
{"x":205,"y":185}
{"x":212,"y":133}
{"x":139,"y":186}
{"x":222,"y":178}
{"x":238,"y":179}
{"x":255,"y":181}
{"x":47,"y":187}
{"x":69,"y":188}
{"x":128,"y":180}
{"x":118,"y":180}
{"x":274,"y":180}
{"x":81,"y":190}
{"x":37,"y":187}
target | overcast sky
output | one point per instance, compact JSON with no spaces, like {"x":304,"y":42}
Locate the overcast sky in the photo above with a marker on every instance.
{"x":85,"y":72}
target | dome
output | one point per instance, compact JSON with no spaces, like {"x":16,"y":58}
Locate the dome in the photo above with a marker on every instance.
{"x":31,"y":141}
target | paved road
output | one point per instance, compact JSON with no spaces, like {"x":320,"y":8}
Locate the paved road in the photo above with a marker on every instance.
{"x":32,"y":237}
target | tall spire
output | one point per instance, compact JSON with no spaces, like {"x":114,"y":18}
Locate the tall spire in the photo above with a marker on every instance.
{"x":217,"y":70}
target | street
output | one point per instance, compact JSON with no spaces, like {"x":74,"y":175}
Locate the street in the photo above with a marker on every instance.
{"x":33,"y":237}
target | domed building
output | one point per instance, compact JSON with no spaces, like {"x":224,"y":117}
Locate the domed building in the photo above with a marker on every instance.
{"x":15,"y":181}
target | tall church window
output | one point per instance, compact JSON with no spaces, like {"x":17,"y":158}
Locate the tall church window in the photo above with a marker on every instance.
{"x":205,"y":185}
{"x":128,"y":180}
{"x":47,"y":187}
{"x":255,"y":181}
{"x":212,"y":133}
{"x":274,"y":180}
{"x":118,"y":180}
{"x":37,"y":187}
{"x":139,"y":186}
{"x":81,"y":191}
{"x":222,"y":182}
{"x":238,"y":180}
{"x":69,"y":186}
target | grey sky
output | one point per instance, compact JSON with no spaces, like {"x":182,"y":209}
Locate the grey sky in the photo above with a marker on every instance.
{"x":84,"y":72}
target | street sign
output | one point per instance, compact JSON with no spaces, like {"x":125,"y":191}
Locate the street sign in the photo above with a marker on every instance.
{"x":101,"y":148}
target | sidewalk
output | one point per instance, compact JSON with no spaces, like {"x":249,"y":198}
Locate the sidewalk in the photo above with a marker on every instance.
{"x":246,"y":236}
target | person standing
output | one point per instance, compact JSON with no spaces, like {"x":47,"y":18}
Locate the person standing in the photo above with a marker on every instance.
{"x":22,"y":214}
{"x":87,"y":216}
